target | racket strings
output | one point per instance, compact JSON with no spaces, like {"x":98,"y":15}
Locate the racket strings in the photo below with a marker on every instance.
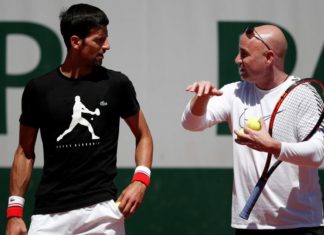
{"x":298,"y":113}
{"x":318,"y":92}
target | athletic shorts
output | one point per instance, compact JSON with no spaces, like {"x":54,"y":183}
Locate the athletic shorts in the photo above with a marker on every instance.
{"x":103,"y":218}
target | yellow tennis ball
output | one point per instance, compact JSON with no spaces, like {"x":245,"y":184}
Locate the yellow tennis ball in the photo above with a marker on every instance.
{"x":253,"y":123}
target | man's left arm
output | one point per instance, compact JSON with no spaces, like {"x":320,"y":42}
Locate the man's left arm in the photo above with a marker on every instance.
{"x":132,"y":197}
{"x":309,"y":153}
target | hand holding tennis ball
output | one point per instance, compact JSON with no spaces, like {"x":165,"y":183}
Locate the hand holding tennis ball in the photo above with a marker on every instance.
{"x":253,"y":123}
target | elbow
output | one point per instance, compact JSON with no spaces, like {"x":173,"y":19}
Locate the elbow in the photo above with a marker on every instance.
{"x":191,"y":127}
{"x":318,"y":160}
{"x":185,"y":125}
{"x":193,"y":123}
{"x":318,"y":157}
{"x":316,"y":163}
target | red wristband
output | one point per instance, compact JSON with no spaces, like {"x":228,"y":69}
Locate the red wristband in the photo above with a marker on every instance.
{"x":139,"y":176}
{"x":14,"y":211}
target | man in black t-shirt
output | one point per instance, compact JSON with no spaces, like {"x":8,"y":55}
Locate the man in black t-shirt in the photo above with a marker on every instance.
{"x":77,"y":108}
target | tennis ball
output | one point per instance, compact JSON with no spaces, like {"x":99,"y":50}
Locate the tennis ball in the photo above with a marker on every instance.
{"x":242,"y":131}
{"x":253,"y":123}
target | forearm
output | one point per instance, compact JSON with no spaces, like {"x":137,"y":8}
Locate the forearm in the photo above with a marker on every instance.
{"x":144,"y":151}
{"x":198,"y":105}
{"x":132,"y":196}
{"x":21,"y":173}
{"x":143,"y":138}
{"x":309,"y":153}
{"x":20,"y":177}
{"x":198,"y":116}
{"x":193,"y":122}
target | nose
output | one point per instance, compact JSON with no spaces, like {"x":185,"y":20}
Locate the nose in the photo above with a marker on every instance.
{"x":106,"y":45}
{"x":238,"y":59}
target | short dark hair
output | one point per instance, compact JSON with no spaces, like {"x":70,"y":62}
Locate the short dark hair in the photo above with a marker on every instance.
{"x":79,"y":19}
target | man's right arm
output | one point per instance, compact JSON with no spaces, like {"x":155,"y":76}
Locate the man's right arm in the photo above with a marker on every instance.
{"x":20,"y":174}
{"x":203,"y":90}
{"x":195,"y":111}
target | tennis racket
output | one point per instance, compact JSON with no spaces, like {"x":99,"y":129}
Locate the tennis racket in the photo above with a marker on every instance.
{"x":302,"y":103}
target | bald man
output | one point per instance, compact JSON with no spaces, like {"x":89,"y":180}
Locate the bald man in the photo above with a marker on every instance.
{"x":291,"y":203}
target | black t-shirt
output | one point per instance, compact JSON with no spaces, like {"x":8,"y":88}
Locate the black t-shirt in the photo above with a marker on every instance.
{"x":79,"y":125}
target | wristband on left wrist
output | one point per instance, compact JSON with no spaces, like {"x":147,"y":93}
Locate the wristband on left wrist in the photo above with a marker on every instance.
{"x":142,"y":174}
{"x":15,"y":206}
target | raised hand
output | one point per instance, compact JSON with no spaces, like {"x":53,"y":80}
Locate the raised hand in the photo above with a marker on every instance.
{"x":203,"y":88}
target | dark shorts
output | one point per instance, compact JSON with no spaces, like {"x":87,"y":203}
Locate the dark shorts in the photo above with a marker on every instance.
{"x":296,"y":231}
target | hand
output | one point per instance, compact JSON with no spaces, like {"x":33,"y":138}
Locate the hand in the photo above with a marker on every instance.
{"x":203,"y":88}
{"x":16,"y":226}
{"x":131,"y":198}
{"x":259,"y":140}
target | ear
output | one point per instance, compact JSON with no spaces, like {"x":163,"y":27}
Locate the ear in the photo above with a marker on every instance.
{"x":270,"y":56}
{"x":75,"y":41}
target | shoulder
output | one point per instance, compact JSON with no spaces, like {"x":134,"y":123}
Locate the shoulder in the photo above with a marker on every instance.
{"x":237,"y":86}
{"x":109,"y":73}
{"x":43,"y":79}
{"x":292,"y":79}
{"x":113,"y":76}
{"x":48,"y":75}
{"x":116,"y":79}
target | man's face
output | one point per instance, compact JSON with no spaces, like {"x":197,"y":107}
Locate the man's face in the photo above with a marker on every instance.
{"x":94,"y":46}
{"x":251,"y":59}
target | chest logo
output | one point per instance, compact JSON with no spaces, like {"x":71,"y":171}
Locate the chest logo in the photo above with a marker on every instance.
{"x":78,"y":109}
{"x":103,"y":103}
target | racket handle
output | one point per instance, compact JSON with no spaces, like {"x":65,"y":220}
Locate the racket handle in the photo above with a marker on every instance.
{"x":245,"y":213}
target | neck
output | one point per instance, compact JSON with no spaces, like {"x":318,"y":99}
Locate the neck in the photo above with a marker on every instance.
{"x":273,"y":82}
{"x":73,"y":70}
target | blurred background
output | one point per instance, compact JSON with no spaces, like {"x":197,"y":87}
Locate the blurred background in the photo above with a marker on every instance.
{"x":162,"y":46}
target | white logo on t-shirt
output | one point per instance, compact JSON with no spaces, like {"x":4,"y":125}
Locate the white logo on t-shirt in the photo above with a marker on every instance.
{"x":78,"y":109}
